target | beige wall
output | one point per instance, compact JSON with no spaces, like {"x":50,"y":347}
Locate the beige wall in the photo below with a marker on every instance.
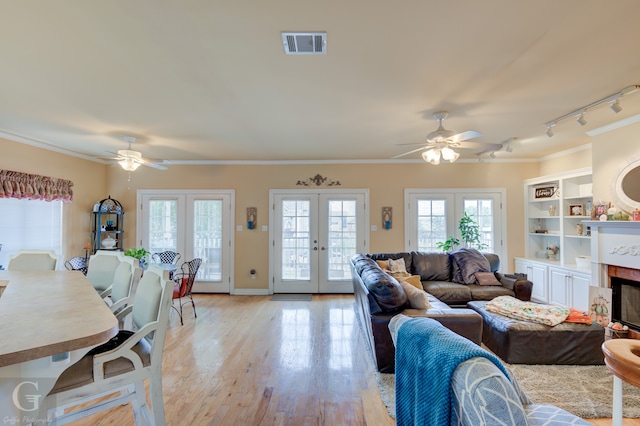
{"x":610,"y":151}
{"x":570,"y":160}
{"x":89,"y":185}
{"x":386,"y":184}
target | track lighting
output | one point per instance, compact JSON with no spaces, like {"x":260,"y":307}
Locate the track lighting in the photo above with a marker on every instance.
{"x":615,"y":106}
{"x":508,"y":148}
{"x":613,"y":101}
{"x":549,"y":132}
{"x":492,"y":155}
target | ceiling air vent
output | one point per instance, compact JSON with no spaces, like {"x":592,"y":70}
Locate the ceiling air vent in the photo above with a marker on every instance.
{"x":305,"y":43}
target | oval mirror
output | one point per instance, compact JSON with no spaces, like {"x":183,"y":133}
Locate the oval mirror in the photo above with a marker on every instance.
{"x":626,"y":185}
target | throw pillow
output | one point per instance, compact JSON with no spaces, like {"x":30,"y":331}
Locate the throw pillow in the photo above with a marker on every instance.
{"x":397,"y":265}
{"x":414,"y":280}
{"x":469,"y":261}
{"x":383,"y":264}
{"x":486,"y":278}
{"x":418,"y":299}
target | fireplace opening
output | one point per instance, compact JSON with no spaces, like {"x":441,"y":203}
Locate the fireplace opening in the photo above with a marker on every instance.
{"x":625,"y":306}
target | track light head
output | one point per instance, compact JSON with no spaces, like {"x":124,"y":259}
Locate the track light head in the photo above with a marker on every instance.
{"x":580,"y":120}
{"x":492,"y":155}
{"x":508,"y":148}
{"x":548,"y":132}
{"x":615,"y":106}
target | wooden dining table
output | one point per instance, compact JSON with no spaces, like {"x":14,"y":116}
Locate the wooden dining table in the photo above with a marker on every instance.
{"x":48,"y":321}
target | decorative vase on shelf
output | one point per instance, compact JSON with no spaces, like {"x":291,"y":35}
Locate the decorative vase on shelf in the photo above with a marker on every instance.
{"x":552,"y":210}
{"x":109,"y":243}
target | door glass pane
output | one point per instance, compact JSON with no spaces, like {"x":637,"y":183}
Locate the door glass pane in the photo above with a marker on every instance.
{"x":481,"y":210}
{"x":163,"y":229}
{"x":432,"y":224}
{"x":296,"y":239}
{"x":207,"y":238}
{"x":341,"y":239}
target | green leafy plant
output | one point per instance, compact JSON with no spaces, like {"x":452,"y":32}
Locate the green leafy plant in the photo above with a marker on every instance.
{"x":138,"y":253}
{"x":469,"y":235}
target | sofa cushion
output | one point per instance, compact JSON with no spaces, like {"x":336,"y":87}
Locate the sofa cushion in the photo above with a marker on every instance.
{"x":448,"y":292}
{"x":469,"y":261}
{"x":385,"y":256}
{"x":415,"y":281}
{"x":397,"y":265}
{"x":488,"y":292}
{"x":431,"y":266}
{"x":385,"y":289}
{"x":383,"y":264}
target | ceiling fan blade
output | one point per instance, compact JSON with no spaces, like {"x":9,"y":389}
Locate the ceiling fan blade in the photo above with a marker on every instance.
{"x":409,"y":152}
{"x":154,"y":165}
{"x":412,"y":143}
{"x":469,"y":134}
{"x":479,"y":145}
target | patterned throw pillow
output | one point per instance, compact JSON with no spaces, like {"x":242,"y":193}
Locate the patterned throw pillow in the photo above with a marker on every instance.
{"x":397,"y":265}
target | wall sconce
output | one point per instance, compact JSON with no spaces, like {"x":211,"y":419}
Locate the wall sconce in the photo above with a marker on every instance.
{"x":252,"y":215}
{"x":386,"y":217}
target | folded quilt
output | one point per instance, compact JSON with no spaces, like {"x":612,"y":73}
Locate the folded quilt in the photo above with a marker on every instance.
{"x":511,"y":307}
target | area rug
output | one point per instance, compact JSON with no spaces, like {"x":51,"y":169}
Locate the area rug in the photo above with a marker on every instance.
{"x":285,"y":297}
{"x":585,"y":391}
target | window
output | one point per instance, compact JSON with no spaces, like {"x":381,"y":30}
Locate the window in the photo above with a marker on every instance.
{"x":432,"y":216}
{"x":29,"y":224}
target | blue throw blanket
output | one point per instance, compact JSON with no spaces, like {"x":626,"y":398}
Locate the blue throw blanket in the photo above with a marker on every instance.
{"x":427,"y":353}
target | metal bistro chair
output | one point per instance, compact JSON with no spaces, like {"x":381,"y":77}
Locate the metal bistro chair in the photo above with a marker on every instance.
{"x":170,"y":257}
{"x":77,"y":263}
{"x":184,"y":283}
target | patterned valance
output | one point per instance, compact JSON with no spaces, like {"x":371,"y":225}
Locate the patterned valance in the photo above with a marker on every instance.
{"x":34,"y":187}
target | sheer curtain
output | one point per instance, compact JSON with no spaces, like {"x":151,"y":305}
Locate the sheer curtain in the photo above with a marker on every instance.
{"x":29,"y":224}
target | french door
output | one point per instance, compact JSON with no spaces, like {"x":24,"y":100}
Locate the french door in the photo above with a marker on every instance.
{"x":432,"y":216}
{"x":314,"y":234}
{"x":194,"y":224}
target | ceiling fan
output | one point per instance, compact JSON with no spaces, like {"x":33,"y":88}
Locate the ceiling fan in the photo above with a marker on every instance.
{"x":131,"y":160}
{"x":440,"y":143}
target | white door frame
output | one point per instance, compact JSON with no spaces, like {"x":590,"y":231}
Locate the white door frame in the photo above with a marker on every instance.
{"x":273,"y":193}
{"x":229,"y":232}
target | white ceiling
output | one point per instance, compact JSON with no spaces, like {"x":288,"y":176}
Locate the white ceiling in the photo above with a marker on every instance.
{"x":209,"y":80}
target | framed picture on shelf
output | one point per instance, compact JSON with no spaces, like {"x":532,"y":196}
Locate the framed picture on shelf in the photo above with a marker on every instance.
{"x":576,"y":210}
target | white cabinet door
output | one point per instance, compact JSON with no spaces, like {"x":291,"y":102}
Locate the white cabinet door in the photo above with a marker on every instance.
{"x":559,"y":289}
{"x":537,"y":274}
{"x":580,"y":291}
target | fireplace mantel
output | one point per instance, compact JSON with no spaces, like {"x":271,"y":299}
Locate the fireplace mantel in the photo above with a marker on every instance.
{"x":614,"y":243}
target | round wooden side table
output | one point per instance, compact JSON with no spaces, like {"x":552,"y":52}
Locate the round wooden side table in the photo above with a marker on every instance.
{"x":622,"y":357}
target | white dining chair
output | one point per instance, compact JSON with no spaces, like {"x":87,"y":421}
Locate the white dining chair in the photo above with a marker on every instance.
{"x":125,"y":280}
{"x":118,"y":369}
{"x":34,"y":260}
{"x":102,"y":268}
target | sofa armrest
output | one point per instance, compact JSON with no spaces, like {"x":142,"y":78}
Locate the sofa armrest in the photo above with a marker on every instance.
{"x":520,"y":286}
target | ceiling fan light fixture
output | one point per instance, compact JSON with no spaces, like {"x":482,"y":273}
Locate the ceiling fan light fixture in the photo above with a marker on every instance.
{"x":449,"y":154}
{"x":432,"y":156}
{"x":129,"y":164}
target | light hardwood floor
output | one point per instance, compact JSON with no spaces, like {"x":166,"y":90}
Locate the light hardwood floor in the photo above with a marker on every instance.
{"x":247,"y":360}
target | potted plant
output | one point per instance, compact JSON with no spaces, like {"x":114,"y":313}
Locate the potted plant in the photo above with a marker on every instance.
{"x":469,"y":235}
{"x":141,"y":254}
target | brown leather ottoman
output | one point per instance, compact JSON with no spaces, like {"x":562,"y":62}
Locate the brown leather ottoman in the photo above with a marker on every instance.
{"x":522,"y":342}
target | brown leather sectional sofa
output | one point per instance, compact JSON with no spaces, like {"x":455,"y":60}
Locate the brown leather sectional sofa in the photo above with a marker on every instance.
{"x":379,"y":297}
